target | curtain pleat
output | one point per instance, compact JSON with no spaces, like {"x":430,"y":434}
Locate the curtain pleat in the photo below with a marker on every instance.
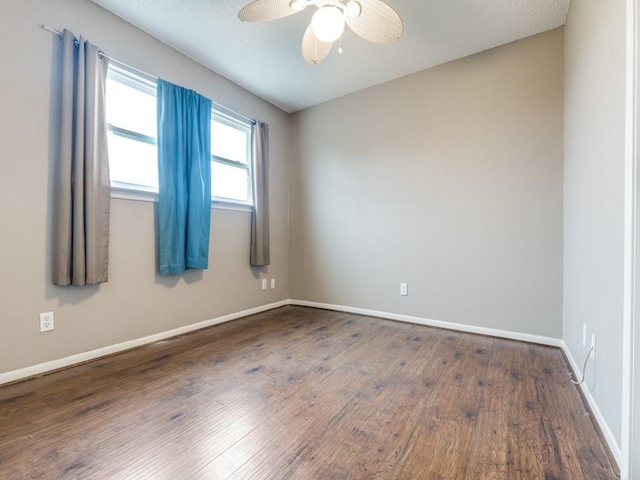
{"x":82,"y":185}
{"x":184,"y":174}
{"x":260,"y":251}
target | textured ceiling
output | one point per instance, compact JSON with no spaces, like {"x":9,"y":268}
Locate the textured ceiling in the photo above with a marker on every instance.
{"x":265,"y":58}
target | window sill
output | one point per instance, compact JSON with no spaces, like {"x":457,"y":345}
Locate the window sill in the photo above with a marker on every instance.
{"x":136,"y":195}
{"x":236,"y":207}
{"x":142,"y":196}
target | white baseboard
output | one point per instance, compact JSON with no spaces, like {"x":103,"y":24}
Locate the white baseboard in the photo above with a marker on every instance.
{"x":606,"y":431}
{"x":523,"y":337}
{"x":46,"y":367}
{"x":42,"y":368}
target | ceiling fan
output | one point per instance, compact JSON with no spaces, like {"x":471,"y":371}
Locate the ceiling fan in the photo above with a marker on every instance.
{"x":372,"y":20}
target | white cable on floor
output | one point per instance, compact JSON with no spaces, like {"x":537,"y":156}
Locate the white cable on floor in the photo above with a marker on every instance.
{"x":584,"y":367}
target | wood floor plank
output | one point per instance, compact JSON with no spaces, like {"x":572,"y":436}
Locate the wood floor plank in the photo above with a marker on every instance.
{"x":300,"y":393}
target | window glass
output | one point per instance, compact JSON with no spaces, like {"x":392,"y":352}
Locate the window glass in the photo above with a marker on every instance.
{"x":229,"y":182}
{"x":132,"y":163}
{"x":131,"y":109}
{"x":132,"y":141}
{"x":231,"y":165}
{"x":228,"y":142}
{"x":132,"y":131}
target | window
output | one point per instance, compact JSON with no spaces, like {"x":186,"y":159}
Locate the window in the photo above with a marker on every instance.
{"x":132,"y":131}
{"x":230,"y":157}
{"x":132,"y":136}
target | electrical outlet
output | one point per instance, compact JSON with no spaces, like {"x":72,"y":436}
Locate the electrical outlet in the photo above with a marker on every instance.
{"x":403,"y":289}
{"x":273,"y":283}
{"x":584,"y":335}
{"x":593,"y":347}
{"x":264,"y":283}
{"x":46,"y":321}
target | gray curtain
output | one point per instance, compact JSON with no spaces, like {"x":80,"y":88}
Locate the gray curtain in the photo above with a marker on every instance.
{"x":260,"y":254}
{"x":82,"y":187}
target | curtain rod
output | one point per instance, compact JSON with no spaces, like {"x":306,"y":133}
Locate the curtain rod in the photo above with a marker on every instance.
{"x":121,"y":64}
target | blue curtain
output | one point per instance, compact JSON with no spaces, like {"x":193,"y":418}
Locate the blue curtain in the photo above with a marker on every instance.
{"x":184,"y":174}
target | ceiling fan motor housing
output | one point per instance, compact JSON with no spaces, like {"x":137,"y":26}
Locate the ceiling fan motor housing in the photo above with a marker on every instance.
{"x":372,"y":20}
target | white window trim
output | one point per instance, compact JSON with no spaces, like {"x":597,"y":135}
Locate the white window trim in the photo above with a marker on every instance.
{"x":146,"y":84}
{"x":139,"y":193}
{"x":239,"y":124}
{"x":152,"y":197}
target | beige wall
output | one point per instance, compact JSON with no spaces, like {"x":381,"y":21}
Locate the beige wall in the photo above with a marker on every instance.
{"x":136,"y":302}
{"x":594,"y":194}
{"x":450,"y":180}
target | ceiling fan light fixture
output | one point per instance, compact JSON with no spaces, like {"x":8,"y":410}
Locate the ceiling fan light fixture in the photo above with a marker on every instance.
{"x":328,"y":23}
{"x":298,"y":5}
{"x":353,"y":9}
{"x":372,"y":20}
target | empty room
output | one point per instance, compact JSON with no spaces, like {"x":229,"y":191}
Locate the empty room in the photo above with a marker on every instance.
{"x":309,"y":239}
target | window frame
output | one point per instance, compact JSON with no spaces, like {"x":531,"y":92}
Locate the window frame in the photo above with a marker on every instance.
{"x":243,"y":125}
{"x":145,"y":84}
{"x":148,"y":84}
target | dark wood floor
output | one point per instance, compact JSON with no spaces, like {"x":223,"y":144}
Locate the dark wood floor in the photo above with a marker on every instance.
{"x":299,"y":393}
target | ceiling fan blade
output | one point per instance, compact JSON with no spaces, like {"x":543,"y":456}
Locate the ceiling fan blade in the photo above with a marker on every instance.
{"x":313,"y":50}
{"x":265,"y":10}
{"x":377,"y":22}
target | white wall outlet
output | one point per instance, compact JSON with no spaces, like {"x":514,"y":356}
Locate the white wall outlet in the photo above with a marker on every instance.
{"x":584,"y":335}
{"x":593,"y":347}
{"x":264,"y":283}
{"x":403,"y":289}
{"x":273,"y":283}
{"x":46,"y":321}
